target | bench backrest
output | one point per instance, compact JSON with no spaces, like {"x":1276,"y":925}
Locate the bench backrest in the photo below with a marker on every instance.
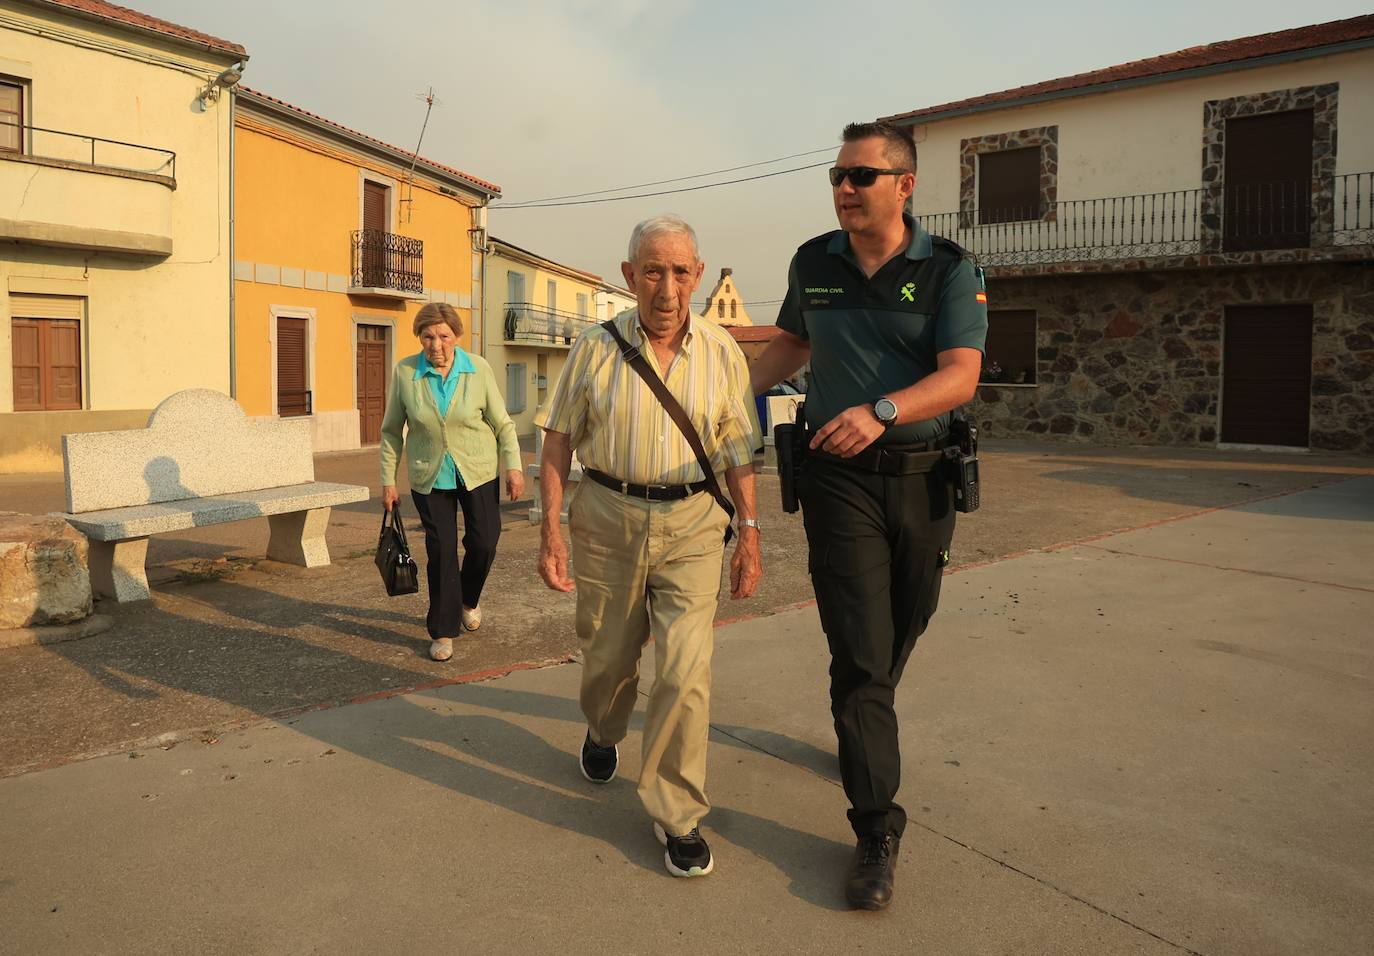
{"x":197,"y":443}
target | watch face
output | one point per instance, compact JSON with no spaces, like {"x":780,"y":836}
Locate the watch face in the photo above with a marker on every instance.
{"x":885,"y":410}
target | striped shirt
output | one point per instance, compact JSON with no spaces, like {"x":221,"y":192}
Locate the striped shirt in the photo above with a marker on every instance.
{"x":617,"y":426}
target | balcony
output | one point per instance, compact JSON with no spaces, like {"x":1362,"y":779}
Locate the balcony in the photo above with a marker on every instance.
{"x":84,"y":192}
{"x":1215,"y":225}
{"x":387,"y":265}
{"x":529,"y":324}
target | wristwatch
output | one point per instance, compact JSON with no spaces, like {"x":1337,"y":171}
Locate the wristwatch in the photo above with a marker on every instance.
{"x":885,"y":411}
{"x":751,"y":523}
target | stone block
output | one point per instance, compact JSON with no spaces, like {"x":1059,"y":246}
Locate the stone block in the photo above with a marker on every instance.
{"x":267,"y":274}
{"x":298,"y":538}
{"x":43,"y":572}
{"x":117,"y":569}
{"x":337,"y":283}
{"x":316,"y":280}
{"x":295,"y":278}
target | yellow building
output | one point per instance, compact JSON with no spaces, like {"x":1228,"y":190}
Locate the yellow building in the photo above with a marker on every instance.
{"x":535,"y":309}
{"x":114,"y":226}
{"x":725,"y":305}
{"x":338,"y":244}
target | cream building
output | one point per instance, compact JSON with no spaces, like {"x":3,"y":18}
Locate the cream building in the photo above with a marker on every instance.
{"x":114,"y":219}
{"x":1176,"y":249}
{"x":533,"y":310}
{"x":725,"y":305}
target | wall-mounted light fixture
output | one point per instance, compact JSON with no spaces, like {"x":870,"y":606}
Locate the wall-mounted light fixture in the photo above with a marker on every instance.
{"x":212,"y":90}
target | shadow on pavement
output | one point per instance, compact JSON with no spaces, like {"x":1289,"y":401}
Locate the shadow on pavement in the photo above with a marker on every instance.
{"x":483,"y":756}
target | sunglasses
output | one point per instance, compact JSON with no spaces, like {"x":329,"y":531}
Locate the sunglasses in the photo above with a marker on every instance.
{"x":861,"y":176}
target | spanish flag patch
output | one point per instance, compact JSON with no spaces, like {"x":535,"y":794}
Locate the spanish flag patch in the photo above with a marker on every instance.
{"x":980,"y":297}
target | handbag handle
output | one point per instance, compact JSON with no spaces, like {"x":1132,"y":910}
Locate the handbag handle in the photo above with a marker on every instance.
{"x":394,"y":516}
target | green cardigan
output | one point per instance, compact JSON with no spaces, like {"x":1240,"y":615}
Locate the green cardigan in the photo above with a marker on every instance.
{"x":476,"y":424}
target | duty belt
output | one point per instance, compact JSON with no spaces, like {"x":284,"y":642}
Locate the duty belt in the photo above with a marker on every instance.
{"x":916,"y":458}
{"x":646,"y":492}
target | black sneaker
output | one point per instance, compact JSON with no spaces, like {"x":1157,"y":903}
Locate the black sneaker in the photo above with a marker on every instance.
{"x":598,"y":763}
{"x":869,"y":883}
{"x":687,"y":855}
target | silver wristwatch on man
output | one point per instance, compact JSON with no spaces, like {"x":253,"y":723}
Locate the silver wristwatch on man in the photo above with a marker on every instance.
{"x":885,"y":410}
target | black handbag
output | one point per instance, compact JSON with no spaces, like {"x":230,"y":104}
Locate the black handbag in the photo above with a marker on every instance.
{"x":399,"y":573}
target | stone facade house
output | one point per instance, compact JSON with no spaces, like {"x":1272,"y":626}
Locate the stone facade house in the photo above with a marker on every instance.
{"x":1179,"y":250}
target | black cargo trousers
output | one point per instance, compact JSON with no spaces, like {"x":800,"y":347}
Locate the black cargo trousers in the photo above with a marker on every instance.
{"x":878,"y":546}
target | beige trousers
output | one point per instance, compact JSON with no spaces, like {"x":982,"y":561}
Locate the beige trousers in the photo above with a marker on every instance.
{"x":650,"y":569}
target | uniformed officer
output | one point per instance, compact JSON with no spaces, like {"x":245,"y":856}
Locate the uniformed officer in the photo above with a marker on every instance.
{"x":893,"y":321}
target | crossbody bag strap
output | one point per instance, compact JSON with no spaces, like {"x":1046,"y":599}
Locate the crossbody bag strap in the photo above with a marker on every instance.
{"x":635,"y":359}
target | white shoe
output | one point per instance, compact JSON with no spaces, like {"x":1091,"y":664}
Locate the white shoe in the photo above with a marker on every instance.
{"x":441,"y":649}
{"x":472,"y":618}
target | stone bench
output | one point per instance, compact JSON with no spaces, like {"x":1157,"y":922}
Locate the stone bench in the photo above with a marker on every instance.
{"x":199,"y":461}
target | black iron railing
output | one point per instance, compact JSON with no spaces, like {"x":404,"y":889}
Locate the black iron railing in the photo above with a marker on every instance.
{"x":1178,"y":223}
{"x":41,"y":143}
{"x":526,"y":322}
{"x":384,"y":260}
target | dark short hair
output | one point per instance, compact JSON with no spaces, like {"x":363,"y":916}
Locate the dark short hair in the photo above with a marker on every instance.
{"x":898,"y":146}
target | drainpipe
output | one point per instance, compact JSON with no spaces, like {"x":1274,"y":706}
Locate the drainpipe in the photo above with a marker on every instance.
{"x":481,"y":212}
{"x":233,"y":357}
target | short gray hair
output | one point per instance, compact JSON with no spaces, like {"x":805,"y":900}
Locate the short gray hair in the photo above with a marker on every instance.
{"x":662,"y":225}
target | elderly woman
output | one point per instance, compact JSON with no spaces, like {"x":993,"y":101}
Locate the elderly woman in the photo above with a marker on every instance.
{"x":458,"y":437}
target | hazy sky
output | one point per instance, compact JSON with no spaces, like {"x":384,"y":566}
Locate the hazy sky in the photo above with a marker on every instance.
{"x":552,"y":98}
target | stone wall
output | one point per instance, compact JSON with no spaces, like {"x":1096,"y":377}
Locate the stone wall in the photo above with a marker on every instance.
{"x":1136,"y":357}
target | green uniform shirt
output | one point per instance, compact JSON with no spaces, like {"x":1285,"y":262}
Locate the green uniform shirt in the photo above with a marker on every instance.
{"x":872,"y":337}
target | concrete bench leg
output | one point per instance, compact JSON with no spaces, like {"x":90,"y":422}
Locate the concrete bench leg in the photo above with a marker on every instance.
{"x":298,"y":538}
{"x":118,"y":569}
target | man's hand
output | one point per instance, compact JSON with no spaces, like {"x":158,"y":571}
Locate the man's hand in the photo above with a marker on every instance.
{"x":515,"y":484}
{"x":746,"y":567}
{"x":389,"y":496}
{"x":553,"y":562}
{"x":849,"y":432}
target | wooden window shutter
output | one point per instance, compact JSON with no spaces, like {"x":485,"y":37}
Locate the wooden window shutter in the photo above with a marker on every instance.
{"x":374,"y":206}
{"x":46,"y":333}
{"x":28,"y":365}
{"x":1009,"y":185}
{"x":293,"y":397}
{"x":11,"y":117}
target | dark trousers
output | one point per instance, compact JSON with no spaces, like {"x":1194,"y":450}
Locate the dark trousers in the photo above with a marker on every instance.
{"x":878,"y":545}
{"x":451,"y":584}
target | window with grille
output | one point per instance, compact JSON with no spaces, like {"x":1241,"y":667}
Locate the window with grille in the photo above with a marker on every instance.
{"x":1009,"y":358}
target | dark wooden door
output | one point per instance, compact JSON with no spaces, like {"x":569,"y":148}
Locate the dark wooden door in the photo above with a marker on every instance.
{"x":293,"y":378}
{"x":1009,"y":185}
{"x":1268,"y":181}
{"x":372,"y":352}
{"x":1267,"y":375}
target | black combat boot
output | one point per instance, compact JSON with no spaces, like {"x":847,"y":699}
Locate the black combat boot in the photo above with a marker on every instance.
{"x":869,"y":884}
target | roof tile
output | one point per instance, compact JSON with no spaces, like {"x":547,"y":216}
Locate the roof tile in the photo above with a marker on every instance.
{"x":109,"y":11}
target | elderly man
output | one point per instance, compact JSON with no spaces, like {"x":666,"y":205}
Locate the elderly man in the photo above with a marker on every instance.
{"x":647,"y":540}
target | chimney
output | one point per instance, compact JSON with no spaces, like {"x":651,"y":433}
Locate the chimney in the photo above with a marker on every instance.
{"x":726,"y":272}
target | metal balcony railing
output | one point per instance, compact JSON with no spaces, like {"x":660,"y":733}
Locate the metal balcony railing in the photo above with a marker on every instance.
{"x":42,"y":143}
{"x":526,"y":322}
{"x":384,"y":260}
{"x":1183,"y":222}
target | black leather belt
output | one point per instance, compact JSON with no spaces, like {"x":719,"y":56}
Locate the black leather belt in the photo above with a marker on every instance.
{"x":915,"y":458}
{"x":646,"y":492}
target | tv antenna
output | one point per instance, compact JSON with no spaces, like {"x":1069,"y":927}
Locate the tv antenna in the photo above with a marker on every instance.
{"x":409,"y":179}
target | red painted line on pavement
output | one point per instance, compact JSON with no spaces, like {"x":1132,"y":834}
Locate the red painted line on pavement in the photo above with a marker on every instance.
{"x":1227,"y":567}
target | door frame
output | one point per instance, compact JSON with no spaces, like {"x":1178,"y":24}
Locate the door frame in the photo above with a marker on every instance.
{"x":360,"y":318}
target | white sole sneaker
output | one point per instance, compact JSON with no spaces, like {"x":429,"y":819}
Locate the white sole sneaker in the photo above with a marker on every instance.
{"x":674,"y":869}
